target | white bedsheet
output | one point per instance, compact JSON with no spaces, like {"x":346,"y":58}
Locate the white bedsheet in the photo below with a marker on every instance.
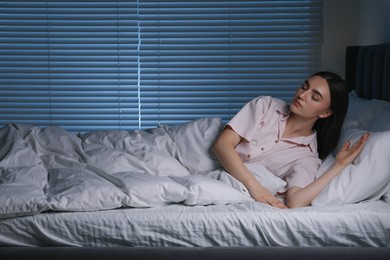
{"x":238,"y":224}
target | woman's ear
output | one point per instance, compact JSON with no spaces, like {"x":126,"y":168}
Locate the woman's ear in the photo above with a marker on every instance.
{"x":326,"y":114}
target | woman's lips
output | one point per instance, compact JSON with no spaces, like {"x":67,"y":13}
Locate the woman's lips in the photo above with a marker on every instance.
{"x":297,"y":103}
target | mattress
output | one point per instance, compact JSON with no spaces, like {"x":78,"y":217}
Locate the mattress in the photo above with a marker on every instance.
{"x":249,"y":223}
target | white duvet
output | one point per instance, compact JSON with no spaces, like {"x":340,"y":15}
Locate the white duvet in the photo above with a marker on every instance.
{"x":50,"y":168}
{"x":135,"y":187}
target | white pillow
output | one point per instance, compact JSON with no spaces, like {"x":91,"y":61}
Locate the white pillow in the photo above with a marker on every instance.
{"x":205,"y":191}
{"x":367,"y":178}
{"x":194,"y":140}
{"x":381,"y":122}
{"x":325,"y":165}
{"x":363,"y":110}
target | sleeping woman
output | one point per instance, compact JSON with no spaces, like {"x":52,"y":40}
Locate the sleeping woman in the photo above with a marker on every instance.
{"x":290,"y":140}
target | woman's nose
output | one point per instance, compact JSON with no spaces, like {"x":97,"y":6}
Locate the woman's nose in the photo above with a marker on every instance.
{"x":302,"y":94}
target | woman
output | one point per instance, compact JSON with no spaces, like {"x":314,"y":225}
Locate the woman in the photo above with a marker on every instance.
{"x":290,"y":140}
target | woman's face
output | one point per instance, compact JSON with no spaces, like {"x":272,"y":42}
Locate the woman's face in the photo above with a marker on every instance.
{"x":312,"y":99}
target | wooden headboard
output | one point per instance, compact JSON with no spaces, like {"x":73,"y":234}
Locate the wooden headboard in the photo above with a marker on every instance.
{"x":367,"y":70}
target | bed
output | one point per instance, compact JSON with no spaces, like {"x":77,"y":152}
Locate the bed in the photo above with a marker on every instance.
{"x":161,"y":193}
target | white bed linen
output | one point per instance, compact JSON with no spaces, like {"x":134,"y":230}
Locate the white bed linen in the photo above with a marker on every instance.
{"x":81,"y":190}
{"x":241,"y":224}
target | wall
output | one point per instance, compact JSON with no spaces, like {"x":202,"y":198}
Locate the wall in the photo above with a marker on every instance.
{"x":352,"y":22}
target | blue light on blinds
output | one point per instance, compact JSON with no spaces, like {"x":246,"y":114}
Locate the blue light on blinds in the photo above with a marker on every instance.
{"x":91,"y":65}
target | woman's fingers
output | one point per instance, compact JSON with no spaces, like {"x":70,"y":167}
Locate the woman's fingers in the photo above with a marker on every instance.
{"x":358,"y":146}
{"x":265,"y":196}
{"x":346,"y":146}
{"x":278,"y":204}
{"x":275,"y":202}
{"x":349,"y":152}
{"x":362,"y":140}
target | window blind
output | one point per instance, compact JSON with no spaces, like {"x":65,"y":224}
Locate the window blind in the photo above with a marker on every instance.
{"x":72,"y":64}
{"x":90,"y":65}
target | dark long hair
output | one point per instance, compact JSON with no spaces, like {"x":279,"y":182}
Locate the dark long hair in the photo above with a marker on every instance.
{"x":328,"y":129}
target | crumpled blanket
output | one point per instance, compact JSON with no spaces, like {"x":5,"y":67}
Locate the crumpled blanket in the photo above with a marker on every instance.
{"x":51,"y":169}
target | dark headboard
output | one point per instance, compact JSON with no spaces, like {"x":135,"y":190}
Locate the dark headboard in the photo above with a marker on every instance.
{"x":367,"y":70}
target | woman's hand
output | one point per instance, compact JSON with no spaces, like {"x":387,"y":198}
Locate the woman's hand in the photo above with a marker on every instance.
{"x":348,"y":153}
{"x":263,"y":195}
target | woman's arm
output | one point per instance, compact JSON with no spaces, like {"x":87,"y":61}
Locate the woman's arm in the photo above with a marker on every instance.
{"x":231,"y":161}
{"x":300,"y":197}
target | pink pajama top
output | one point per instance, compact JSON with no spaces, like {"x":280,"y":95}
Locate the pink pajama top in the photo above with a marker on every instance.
{"x":261,"y":123}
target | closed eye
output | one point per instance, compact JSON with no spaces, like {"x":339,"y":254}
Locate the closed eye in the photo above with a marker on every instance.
{"x":317,"y":95}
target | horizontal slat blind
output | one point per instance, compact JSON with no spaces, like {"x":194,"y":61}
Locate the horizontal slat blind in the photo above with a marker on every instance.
{"x":73,"y":64}
{"x":209,"y":58}
{"x":89,"y":65}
